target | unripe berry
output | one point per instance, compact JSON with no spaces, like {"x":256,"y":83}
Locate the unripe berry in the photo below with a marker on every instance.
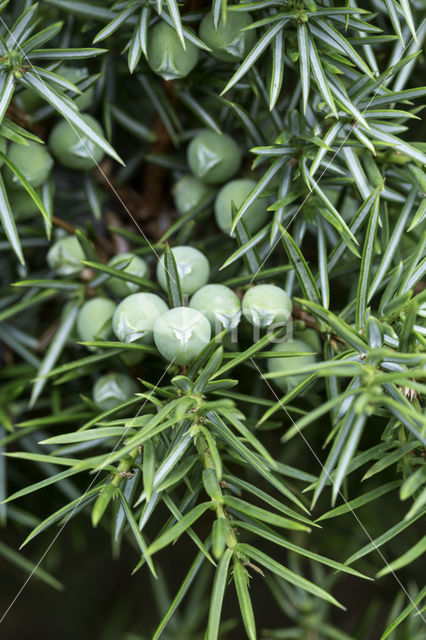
{"x":166,"y":55}
{"x":76,"y":75}
{"x":22,"y":205}
{"x":189,"y":192}
{"x":266,"y":304}
{"x":65,"y":255}
{"x":136,"y":267}
{"x":213,"y":157}
{"x":310,"y":337}
{"x":219,"y":305}
{"x":28,"y":100}
{"x":72,"y":148}
{"x":236,"y":192}
{"x":229,"y":43}
{"x":135,"y":316}
{"x":94,"y":319}
{"x":288,"y":363}
{"x":33,"y":160}
{"x":112,"y":390}
{"x":193,"y":269}
{"x":180,"y":334}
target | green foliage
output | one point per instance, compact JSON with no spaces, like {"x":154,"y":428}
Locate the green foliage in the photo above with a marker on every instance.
{"x":320,"y":103}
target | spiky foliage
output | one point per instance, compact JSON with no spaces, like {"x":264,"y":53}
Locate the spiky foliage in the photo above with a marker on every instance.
{"x":326,"y":109}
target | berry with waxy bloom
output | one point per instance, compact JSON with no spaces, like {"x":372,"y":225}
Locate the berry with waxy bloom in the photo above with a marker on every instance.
{"x":220,"y":305}
{"x":237,"y":191}
{"x":135,"y":266}
{"x":213,"y":157}
{"x":189,"y":192}
{"x":180,"y":334}
{"x":229,"y":42}
{"x":266,"y":304}
{"x":192,"y":266}
{"x":135,"y":316}
{"x":289,"y":363}
{"x":72,"y":148}
{"x":33,"y":161}
{"x":113,"y":389}
{"x":94,"y":320}
{"x":166,"y":55}
{"x":65,"y":256}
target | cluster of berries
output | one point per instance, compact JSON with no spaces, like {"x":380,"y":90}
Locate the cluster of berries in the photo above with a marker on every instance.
{"x":180,"y":333}
{"x":214,"y":159}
